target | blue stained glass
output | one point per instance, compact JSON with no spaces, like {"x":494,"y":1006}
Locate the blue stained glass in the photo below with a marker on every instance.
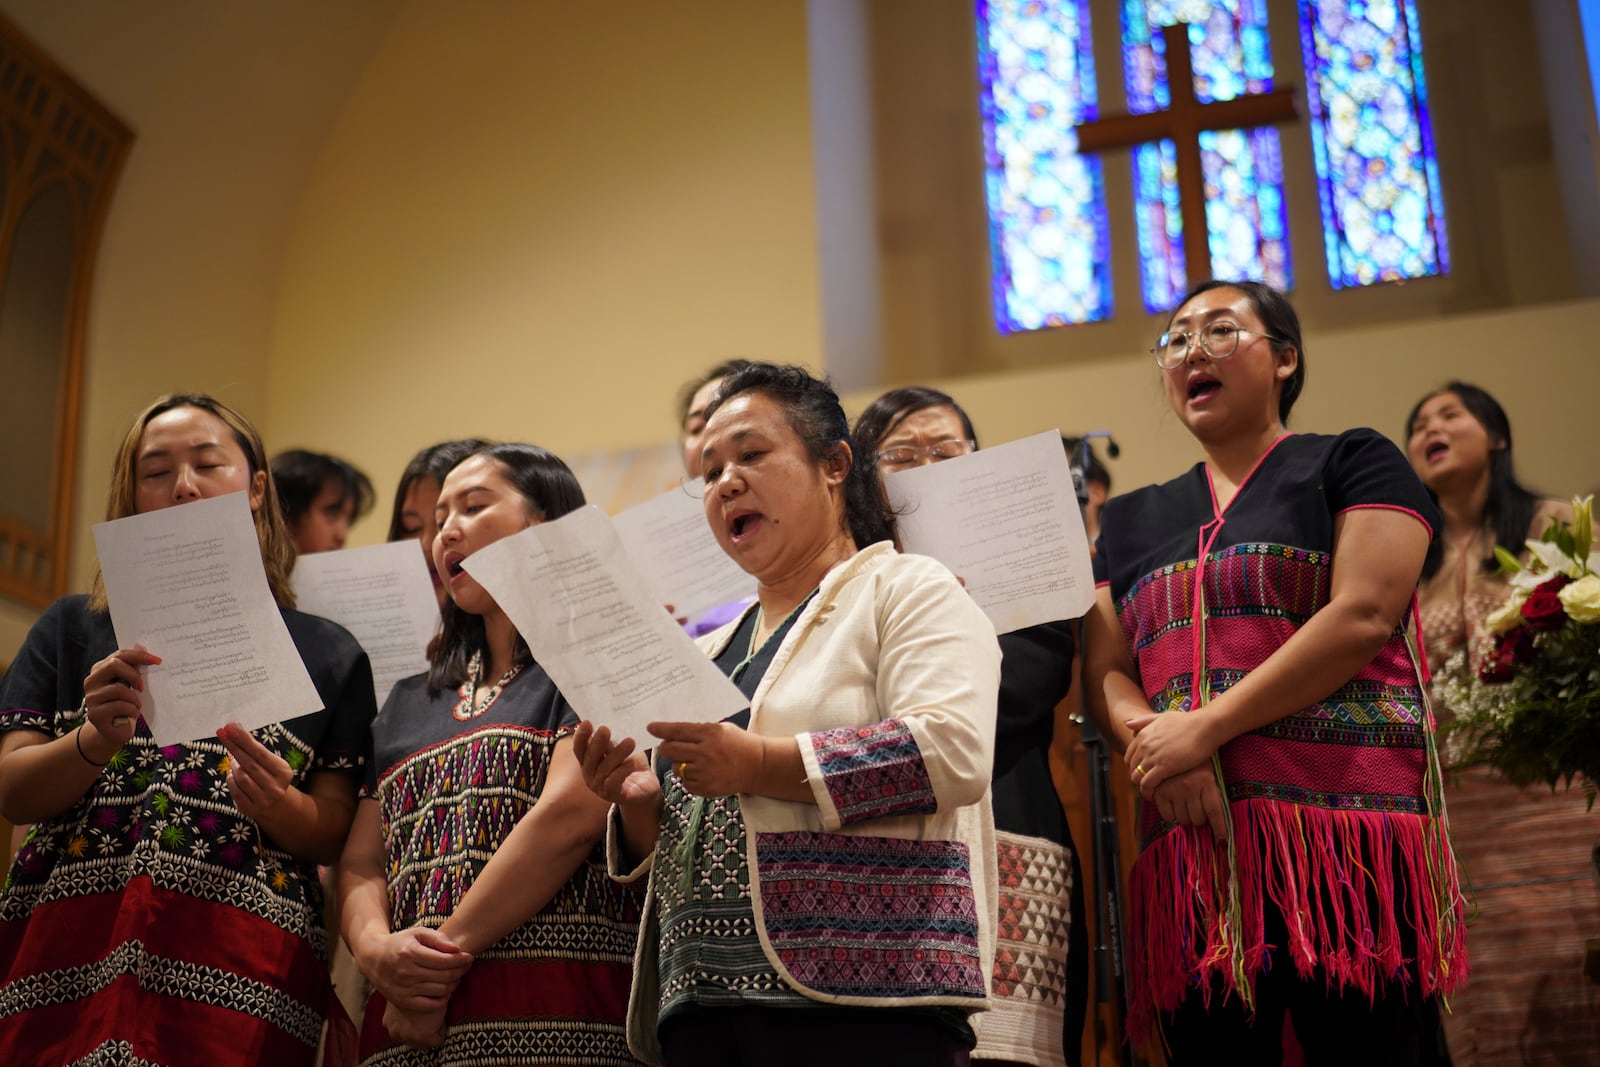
{"x":1243,"y":169}
{"x":1377,"y":175}
{"x":1048,"y":230}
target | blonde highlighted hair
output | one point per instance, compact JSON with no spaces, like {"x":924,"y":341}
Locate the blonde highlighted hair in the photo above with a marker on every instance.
{"x":277,"y":550}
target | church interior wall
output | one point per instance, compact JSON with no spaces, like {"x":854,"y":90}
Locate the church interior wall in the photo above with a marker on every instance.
{"x":539,"y":229}
{"x":535,"y":220}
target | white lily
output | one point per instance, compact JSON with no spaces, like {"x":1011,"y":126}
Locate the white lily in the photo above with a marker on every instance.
{"x":1554,"y":562}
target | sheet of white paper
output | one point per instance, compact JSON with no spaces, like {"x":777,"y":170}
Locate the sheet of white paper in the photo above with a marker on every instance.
{"x":674,"y":548}
{"x":1006,"y":521}
{"x":598,"y":629}
{"x":383,"y":596}
{"x":187,"y":583}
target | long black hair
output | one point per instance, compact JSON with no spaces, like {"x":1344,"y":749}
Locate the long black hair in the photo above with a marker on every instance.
{"x":1510,"y":506}
{"x":1282,"y":325}
{"x":434,"y":462}
{"x":551,"y":490}
{"x":814,"y":413}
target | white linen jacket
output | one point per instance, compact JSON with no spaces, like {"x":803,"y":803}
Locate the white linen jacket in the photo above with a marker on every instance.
{"x":883,"y":892}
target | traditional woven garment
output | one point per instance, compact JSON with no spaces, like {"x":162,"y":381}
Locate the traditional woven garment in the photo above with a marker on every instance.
{"x":151,"y":922}
{"x":1337,"y":821}
{"x":452,"y":780}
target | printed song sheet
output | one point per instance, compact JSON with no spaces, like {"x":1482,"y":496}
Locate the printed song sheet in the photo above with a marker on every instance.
{"x":383,"y":596}
{"x":671,"y":544}
{"x":1006,"y":521}
{"x":187,"y":583}
{"x":598,"y":629}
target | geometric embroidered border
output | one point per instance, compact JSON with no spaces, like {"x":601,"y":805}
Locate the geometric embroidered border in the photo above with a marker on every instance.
{"x":164,"y":977}
{"x":1026,"y":1009}
{"x":113,"y":1054}
{"x":184,"y":876}
{"x":481,"y":1043}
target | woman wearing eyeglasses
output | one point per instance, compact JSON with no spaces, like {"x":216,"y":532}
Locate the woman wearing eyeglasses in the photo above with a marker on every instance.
{"x":1253,"y":646}
{"x":1041,"y":973}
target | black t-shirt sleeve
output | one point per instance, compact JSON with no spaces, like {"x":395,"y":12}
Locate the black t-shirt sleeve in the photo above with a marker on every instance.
{"x":347,"y":744}
{"x":43,"y":686}
{"x":1366,"y":470}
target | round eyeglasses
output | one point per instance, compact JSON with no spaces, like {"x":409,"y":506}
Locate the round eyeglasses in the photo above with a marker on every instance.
{"x":1219,"y":340}
{"x":905,"y":455}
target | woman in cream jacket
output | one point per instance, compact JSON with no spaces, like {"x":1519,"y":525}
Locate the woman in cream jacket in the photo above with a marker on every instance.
{"x":821,"y":867}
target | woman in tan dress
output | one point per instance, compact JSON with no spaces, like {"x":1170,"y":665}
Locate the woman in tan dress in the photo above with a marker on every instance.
{"x":1524,"y":850}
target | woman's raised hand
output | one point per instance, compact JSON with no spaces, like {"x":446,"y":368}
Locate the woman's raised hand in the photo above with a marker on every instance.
{"x":258,"y":778}
{"x":111,"y":691}
{"x":614,"y":772}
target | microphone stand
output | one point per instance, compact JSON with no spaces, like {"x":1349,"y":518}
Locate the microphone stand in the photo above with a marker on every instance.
{"x":1111,"y":1007}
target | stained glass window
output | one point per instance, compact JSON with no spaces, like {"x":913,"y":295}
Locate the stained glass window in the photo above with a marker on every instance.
{"x":1378,"y":181}
{"x":1245,"y":211}
{"x":1048,"y":230}
{"x":1382,"y":215}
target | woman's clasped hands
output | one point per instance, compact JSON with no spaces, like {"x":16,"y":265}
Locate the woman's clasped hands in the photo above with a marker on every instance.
{"x":417,"y":970}
{"x":1170,"y":762}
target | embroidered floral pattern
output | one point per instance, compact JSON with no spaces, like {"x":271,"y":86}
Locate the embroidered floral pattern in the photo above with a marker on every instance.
{"x":160,"y":806}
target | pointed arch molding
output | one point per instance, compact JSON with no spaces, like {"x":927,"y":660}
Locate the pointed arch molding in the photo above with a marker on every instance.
{"x":61,"y":152}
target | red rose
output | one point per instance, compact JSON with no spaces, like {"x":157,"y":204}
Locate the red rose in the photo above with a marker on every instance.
{"x":1510,"y":648}
{"x":1542,"y":610}
{"x":1552,"y":585}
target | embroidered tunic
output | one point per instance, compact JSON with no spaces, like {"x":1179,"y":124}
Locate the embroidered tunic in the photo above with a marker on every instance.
{"x":1336,"y":810}
{"x":451,"y":785}
{"x":151,"y":922}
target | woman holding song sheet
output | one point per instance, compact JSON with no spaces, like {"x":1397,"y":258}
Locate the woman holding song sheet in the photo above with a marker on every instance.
{"x":473,"y":890}
{"x":165,"y":908}
{"x":821,"y":867}
{"x":1041,"y":973}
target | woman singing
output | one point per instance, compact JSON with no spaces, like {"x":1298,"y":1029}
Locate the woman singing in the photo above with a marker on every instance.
{"x":473,"y":889}
{"x":165,"y":909}
{"x":821,"y":868}
{"x":1253,"y":641}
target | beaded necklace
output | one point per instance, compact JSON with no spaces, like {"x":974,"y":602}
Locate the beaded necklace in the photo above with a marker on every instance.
{"x":469,"y":707}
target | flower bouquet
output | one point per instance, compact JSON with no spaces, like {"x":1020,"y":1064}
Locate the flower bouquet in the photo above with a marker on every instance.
{"x":1532,"y":710}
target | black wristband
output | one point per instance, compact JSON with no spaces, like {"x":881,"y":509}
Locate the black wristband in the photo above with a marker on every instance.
{"x":77,"y":736}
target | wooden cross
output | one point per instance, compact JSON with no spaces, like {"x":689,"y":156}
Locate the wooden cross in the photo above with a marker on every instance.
{"x":1182,"y":123}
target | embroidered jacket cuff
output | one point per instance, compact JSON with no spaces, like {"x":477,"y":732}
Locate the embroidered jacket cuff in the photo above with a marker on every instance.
{"x":867,"y":772}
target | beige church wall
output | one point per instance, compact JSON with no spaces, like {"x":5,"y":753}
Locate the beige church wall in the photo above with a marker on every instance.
{"x":228,"y":103}
{"x":535,"y":220}
{"x":1534,"y":360}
